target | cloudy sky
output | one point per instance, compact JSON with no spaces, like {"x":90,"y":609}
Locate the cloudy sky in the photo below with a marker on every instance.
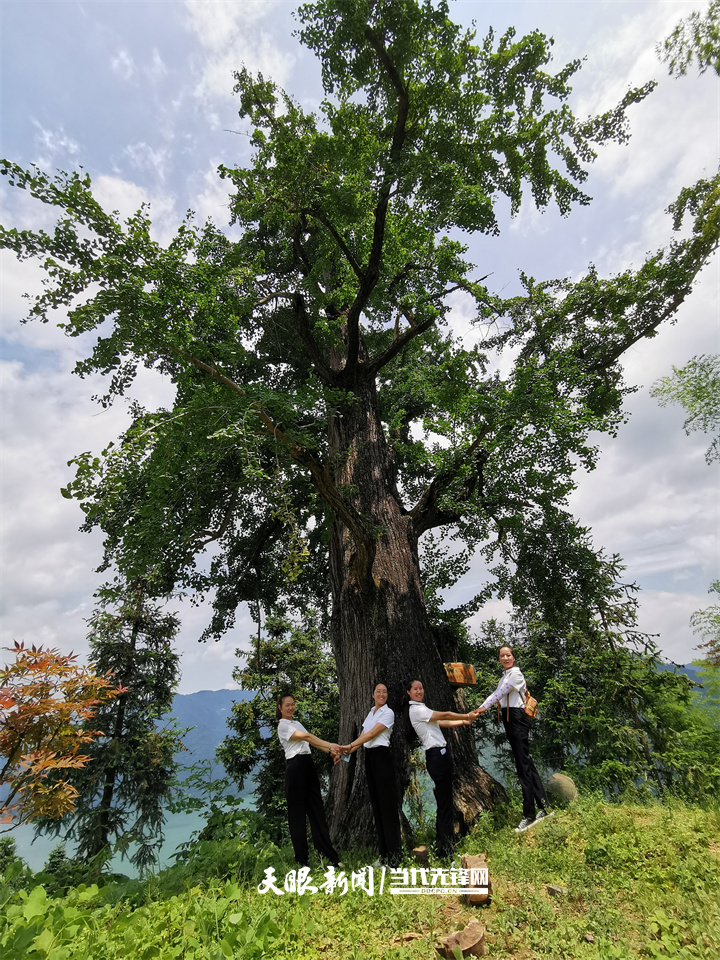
{"x":140,"y":95}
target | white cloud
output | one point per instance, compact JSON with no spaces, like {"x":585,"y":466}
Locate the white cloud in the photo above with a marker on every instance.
{"x":55,"y":146}
{"x":144,"y":157}
{"x":623,"y":52}
{"x":500,"y":610}
{"x":213,"y":200}
{"x":126,"y":197}
{"x":672,"y":141}
{"x":667,"y":615}
{"x":209,"y":665}
{"x":157,"y":69}
{"x":231,"y":36}
{"x":123,"y":65}
{"x":46,"y":564}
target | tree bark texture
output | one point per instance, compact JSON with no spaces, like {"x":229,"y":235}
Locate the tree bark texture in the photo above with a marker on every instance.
{"x":380,"y":629}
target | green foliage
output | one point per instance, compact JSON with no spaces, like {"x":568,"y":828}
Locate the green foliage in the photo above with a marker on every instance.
{"x":697,"y":387}
{"x":641,"y":881}
{"x":621,"y":866}
{"x":319,"y":391}
{"x":233,"y":842}
{"x":612,"y":715}
{"x":289,"y":658}
{"x":707,"y":623}
{"x":123,"y":791}
{"x":8,"y":854}
{"x":417,"y":796}
{"x":61,"y":872}
{"x":706,"y":699}
{"x":349,"y":214}
{"x":695,"y":40}
{"x":14,"y":873}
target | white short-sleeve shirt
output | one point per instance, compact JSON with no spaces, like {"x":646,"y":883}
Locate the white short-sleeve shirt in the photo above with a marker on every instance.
{"x":382,"y":715}
{"x":292,"y":748}
{"x":428,"y":730}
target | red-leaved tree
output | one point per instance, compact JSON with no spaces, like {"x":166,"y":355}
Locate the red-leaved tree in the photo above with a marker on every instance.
{"x":46,"y":699}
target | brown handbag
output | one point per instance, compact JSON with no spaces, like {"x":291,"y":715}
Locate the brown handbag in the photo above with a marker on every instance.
{"x":530,"y":706}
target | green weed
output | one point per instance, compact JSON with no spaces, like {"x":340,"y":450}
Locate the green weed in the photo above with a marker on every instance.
{"x":635,"y":883}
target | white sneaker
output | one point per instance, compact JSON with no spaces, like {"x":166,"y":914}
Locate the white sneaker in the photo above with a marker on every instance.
{"x":544,"y":815}
{"x":524,"y":825}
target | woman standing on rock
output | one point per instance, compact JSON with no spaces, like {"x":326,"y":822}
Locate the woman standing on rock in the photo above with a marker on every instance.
{"x":510,"y":694}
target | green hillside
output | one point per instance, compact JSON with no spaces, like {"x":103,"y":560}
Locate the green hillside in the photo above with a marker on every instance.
{"x":599,"y":881}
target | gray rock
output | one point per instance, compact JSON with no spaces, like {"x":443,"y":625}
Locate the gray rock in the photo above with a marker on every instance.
{"x":561,"y":789}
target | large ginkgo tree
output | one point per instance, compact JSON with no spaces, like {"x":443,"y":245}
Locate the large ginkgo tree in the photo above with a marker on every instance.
{"x":329,"y":426}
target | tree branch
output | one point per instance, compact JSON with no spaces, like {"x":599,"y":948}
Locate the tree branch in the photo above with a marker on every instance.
{"x":346,"y":251}
{"x":372,"y":271}
{"x":408,"y":268}
{"x":425,"y":511}
{"x":397,"y":345}
{"x":326,"y":374}
{"x":645,"y":332}
{"x":209,"y":536}
{"x":284,"y":295}
{"x":320,"y":473}
{"x":301,"y":258}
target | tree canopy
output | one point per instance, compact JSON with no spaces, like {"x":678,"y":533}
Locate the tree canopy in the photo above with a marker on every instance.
{"x":696,"y":386}
{"x":122,"y":793}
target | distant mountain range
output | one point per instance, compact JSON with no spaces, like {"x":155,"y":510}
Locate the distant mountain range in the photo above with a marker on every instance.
{"x":205,"y":713}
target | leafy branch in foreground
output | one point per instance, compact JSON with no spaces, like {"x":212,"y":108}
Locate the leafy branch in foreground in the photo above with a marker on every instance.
{"x":694,"y":41}
{"x":697,"y":387}
{"x":48,"y":711}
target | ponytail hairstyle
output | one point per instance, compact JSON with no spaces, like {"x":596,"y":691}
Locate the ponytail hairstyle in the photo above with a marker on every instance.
{"x":278,"y":705}
{"x":411,"y":736}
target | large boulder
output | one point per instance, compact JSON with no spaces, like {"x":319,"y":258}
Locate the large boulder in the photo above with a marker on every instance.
{"x":561,"y":789}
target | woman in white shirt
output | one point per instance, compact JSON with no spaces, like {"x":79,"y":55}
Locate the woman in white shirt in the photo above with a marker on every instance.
{"x":510,"y":694}
{"x":302,"y":786}
{"x":426,"y":724}
{"x":380,"y":773}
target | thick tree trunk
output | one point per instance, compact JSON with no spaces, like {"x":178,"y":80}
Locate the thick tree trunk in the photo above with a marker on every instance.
{"x":380,"y":631}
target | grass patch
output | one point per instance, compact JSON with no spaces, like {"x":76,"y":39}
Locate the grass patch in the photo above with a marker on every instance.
{"x":635,"y":882}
